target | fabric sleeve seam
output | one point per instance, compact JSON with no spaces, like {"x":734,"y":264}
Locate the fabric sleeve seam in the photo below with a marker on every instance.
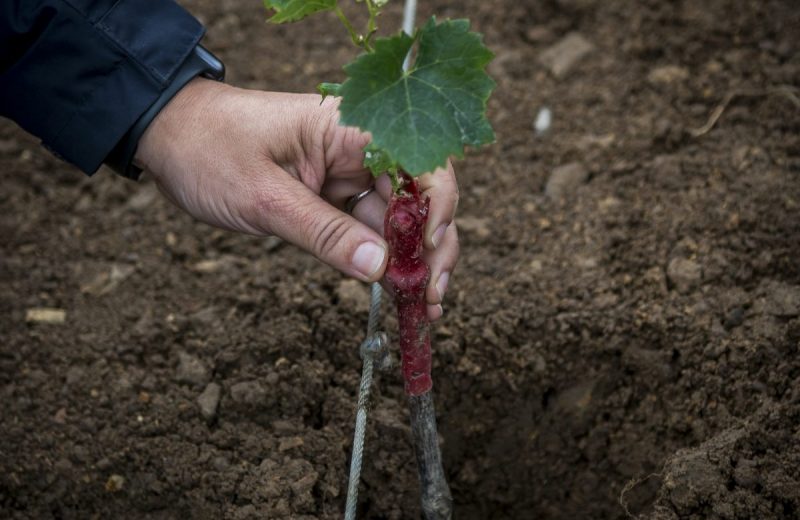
{"x":163,"y":80}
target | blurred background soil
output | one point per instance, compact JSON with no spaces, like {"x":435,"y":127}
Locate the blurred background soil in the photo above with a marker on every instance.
{"x":620,"y":338}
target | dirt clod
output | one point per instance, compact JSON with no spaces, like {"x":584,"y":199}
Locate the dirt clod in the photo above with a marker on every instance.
{"x":565,"y":179}
{"x":248,"y":392}
{"x":191,"y":370}
{"x":684,"y":274}
{"x":208,"y":401}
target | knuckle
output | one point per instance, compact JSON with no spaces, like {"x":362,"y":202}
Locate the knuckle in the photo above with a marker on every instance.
{"x":326,"y":115}
{"x":266,"y":202}
{"x":327,"y":235}
{"x":268,"y":205}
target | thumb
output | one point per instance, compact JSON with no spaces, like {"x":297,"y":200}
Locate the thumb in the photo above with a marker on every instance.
{"x":333,"y":236}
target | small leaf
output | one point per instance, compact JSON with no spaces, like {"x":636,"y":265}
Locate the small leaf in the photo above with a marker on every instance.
{"x":423,"y":116}
{"x":329,"y":89}
{"x":293,"y":10}
{"x":377,"y":161}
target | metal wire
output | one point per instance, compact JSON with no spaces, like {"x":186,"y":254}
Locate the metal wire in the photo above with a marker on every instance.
{"x":409,"y":18}
{"x":374,"y":350}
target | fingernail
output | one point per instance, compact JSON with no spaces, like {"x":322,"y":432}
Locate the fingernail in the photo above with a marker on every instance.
{"x":438,"y":235}
{"x":436,"y":312}
{"x":368,"y":258}
{"x":441,"y":284}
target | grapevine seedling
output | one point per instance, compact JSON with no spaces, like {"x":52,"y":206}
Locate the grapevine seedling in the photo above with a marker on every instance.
{"x":418,"y":118}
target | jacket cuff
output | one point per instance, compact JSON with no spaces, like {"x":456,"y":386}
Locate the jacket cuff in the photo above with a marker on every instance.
{"x":89,"y":76}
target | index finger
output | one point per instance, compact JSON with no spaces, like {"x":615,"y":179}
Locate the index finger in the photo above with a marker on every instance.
{"x":442,"y":188}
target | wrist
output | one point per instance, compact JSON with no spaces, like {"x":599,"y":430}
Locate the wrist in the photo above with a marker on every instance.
{"x":200,"y":62}
{"x":163,"y":137}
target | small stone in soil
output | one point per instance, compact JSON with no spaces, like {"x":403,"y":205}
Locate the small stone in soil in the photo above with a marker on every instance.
{"x":208,"y":401}
{"x":305,"y":483}
{"x":60,"y":416}
{"x":543,"y":121}
{"x":560,"y":57}
{"x":143,"y":198}
{"x":115,"y":483}
{"x":684,"y":274}
{"x":45,"y":315}
{"x":667,"y":74}
{"x":272,"y":243}
{"x":191,"y":370}
{"x":248,"y":392}
{"x":210,"y":265}
{"x":290,"y":443}
{"x":565,"y":179}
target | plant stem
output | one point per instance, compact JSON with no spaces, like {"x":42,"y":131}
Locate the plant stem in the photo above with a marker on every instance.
{"x":358,"y":40}
{"x":395,"y":178}
{"x":437,"y":502}
{"x":372,"y":26}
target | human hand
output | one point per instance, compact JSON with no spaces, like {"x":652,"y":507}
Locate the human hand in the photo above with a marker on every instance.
{"x":268,"y":163}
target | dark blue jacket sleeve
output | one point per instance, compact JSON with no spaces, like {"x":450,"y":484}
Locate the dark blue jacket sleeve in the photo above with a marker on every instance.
{"x":79,"y":73}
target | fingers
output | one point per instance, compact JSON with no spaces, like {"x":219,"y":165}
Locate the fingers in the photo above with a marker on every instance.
{"x":371,"y":210}
{"x":442,"y":261}
{"x":384,"y":187}
{"x":441,"y":236}
{"x":442,"y":188}
{"x":440,"y":240}
{"x":339,"y":192}
{"x":294,"y":212}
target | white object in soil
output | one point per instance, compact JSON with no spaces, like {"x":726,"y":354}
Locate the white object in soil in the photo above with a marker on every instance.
{"x":543,"y":121}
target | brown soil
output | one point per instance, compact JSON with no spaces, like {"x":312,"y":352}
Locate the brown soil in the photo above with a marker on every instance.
{"x":629,"y":349}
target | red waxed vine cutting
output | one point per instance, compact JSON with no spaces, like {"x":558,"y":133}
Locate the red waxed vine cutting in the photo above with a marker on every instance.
{"x":408,"y":276}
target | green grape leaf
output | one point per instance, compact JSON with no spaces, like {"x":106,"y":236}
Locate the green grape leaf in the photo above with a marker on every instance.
{"x":377,"y":160}
{"x":329,"y":89}
{"x":293,"y":10}
{"x":423,"y":116}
